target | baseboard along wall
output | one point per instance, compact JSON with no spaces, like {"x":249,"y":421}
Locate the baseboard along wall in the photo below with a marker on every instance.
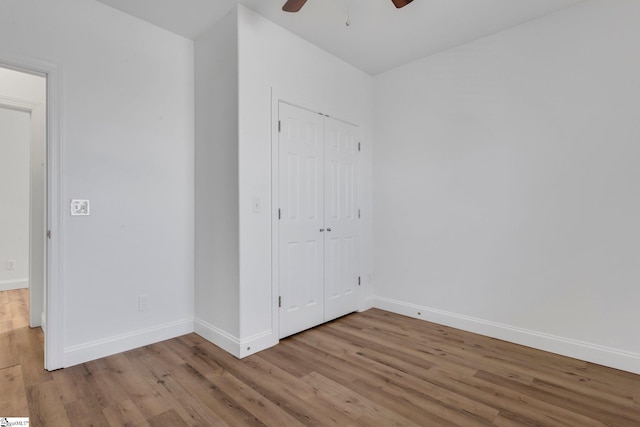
{"x":589,"y":352}
{"x":93,"y":350}
{"x":10,"y":285}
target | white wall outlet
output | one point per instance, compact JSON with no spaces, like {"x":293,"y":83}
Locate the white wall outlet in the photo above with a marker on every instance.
{"x":11,"y":264}
{"x":143,"y":303}
{"x":80,"y":207}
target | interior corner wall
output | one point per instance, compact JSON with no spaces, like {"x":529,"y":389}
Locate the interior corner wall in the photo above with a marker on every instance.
{"x":217,"y":224}
{"x":126,"y":118}
{"x":272,"y":58}
{"x":506,"y":181}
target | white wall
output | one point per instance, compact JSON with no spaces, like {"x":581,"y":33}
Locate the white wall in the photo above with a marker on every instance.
{"x":506,"y":181}
{"x":238,"y":63}
{"x":272,"y":58}
{"x":217,"y":224}
{"x":14,"y":197}
{"x":127,"y":138}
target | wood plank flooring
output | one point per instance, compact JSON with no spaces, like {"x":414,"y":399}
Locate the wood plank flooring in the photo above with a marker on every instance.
{"x":14,"y":309}
{"x":371,"y":369}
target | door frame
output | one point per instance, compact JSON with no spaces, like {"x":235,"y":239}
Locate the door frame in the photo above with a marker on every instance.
{"x":277,"y":96}
{"x":53,"y":318}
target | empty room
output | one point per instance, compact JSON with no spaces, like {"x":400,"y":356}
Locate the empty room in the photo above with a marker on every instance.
{"x":322,"y":212}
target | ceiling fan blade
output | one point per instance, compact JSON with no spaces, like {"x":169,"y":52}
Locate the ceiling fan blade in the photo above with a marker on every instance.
{"x":401,"y":3}
{"x":294,"y":5}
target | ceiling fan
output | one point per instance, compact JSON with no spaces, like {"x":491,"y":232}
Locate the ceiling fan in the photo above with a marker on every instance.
{"x":296,"y":5}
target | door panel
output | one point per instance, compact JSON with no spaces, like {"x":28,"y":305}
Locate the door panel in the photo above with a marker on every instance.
{"x":341,"y":279}
{"x":317,"y":227}
{"x":301,"y":243}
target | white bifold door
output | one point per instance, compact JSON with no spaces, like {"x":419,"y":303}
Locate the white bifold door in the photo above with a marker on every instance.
{"x":317,"y":251}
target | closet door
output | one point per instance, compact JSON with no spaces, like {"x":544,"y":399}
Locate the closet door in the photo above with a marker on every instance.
{"x":301,"y":224}
{"x":340,"y":216}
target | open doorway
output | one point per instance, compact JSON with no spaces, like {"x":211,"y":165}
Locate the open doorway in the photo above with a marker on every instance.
{"x":23,"y":198}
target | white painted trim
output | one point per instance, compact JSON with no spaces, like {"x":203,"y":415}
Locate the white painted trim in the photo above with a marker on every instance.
{"x":37,"y":214}
{"x":227,"y":342}
{"x":18,"y":104}
{"x":43,"y":323}
{"x":258,"y":342}
{"x":232,"y":344}
{"x":275,"y":223}
{"x":10,"y":285}
{"x":607,"y":356}
{"x":97,"y":349}
{"x":368,"y":303}
{"x":54,"y":303}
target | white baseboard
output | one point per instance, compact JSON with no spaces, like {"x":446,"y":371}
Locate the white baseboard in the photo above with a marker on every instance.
{"x":93,"y":350}
{"x":222,"y":339}
{"x":614,"y":358}
{"x":232,"y":344}
{"x":258,"y":342}
{"x":368,"y":303}
{"x":10,"y":285}
{"x":43,"y":324}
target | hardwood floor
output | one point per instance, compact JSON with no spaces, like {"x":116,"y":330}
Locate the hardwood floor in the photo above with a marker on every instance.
{"x":14,"y":309}
{"x":372,"y":368}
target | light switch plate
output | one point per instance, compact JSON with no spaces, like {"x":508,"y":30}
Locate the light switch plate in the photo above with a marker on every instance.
{"x":80,"y":207}
{"x":256,"y":205}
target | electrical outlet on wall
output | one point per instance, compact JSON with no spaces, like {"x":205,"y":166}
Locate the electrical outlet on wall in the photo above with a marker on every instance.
{"x":11,"y":264}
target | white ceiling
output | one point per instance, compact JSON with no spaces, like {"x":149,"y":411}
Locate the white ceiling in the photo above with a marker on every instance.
{"x":380,"y":36}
